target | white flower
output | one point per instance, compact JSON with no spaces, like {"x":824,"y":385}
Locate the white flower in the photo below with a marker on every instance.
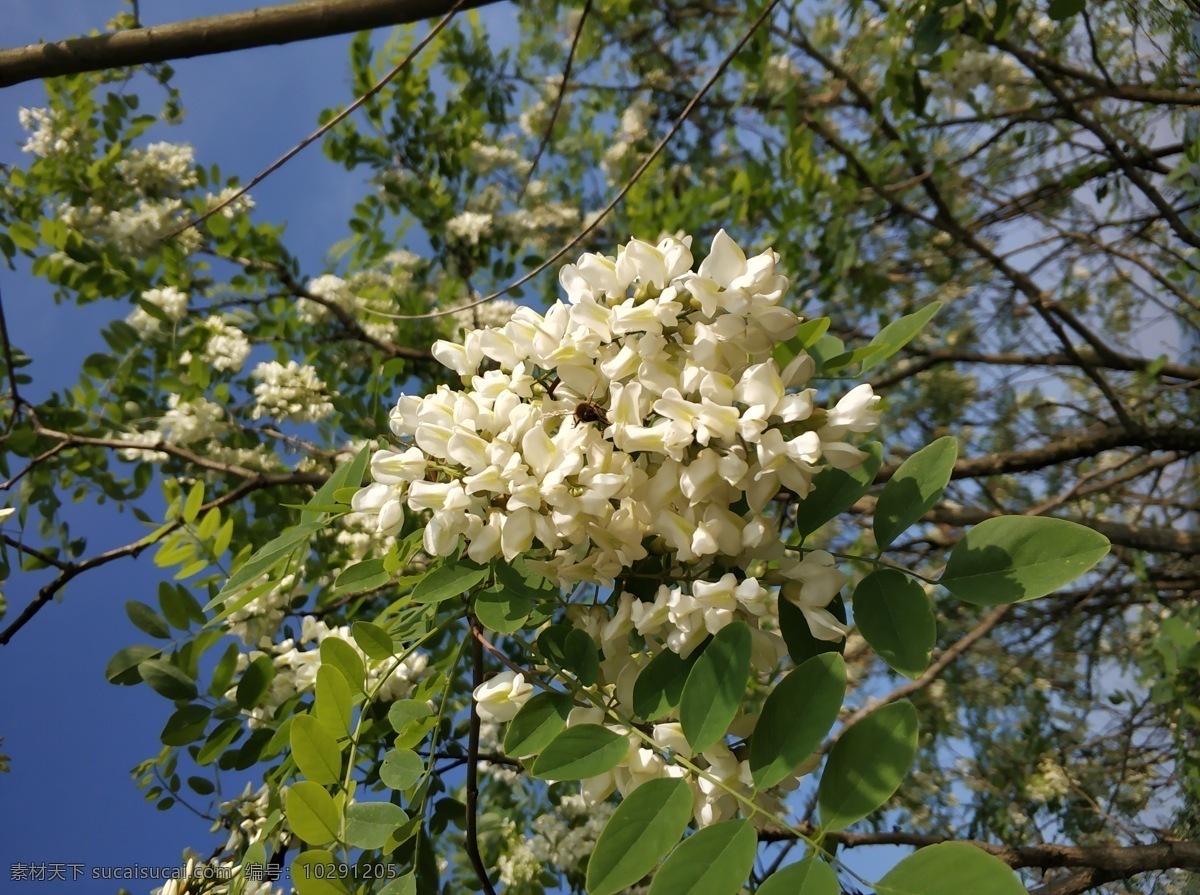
{"x":470,"y":226}
{"x":227,"y":347}
{"x":500,"y":698}
{"x":814,"y":582}
{"x":170,"y":301}
{"x":291,"y":392}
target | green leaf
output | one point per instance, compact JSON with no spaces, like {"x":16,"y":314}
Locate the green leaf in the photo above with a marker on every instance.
{"x":334,"y":706}
{"x":166,"y":679}
{"x":369,"y":824}
{"x":834,"y":490}
{"x":373,"y":640}
{"x":1061,"y":10}
{"x":147,"y":620}
{"x":401,"y":768}
{"x":808,"y":877}
{"x":950,"y":868}
{"x":536,"y":723}
{"x":311,"y":812}
{"x":581,"y":657}
{"x":195,"y":500}
{"x":224,"y":734}
{"x":313,"y":873}
{"x":795,"y":718}
{"x":222,"y":675}
{"x":1013,"y":558}
{"x":448,"y":581}
{"x":896,"y":335}
{"x":401,"y":885}
{"x":585,"y":750}
{"x":404,"y":711}
{"x":518,"y":580}
{"x":914,"y":489}
{"x":185,"y":726}
{"x":647,"y":823}
{"x":715,"y":687}
{"x":502,"y":610}
{"x":659,"y":686}
{"x":315,"y":750}
{"x":362,"y":576}
{"x":713,"y":861}
{"x":347,"y":475}
{"x":893,"y":613}
{"x":255,"y":682}
{"x":265,"y":559}
{"x":122,"y":668}
{"x":867,"y":765}
{"x":345,"y":658}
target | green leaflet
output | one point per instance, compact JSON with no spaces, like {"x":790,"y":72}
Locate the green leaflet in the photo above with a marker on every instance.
{"x":715,"y":686}
{"x":894,"y":615}
{"x":950,"y":868}
{"x":867,"y":765}
{"x":795,"y":717}
{"x":585,"y":750}
{"x":808,"y":877}
{"x":914,"y":488}
{"x":643,"y":828}
{"x":713,"y":861}
{"x":1009,"y":559}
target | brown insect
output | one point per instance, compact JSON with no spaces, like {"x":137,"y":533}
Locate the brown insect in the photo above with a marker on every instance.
{"x":590,"y":412}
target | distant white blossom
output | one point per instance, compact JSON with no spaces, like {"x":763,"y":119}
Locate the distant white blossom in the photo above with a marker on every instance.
{"x":159,"y":168}
{"x":171,"y":301}
{"x":470,"y":226}
{"x":290,"y":392}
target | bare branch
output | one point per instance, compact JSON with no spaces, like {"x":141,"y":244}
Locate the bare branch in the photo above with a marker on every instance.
{"x":285,"y":23}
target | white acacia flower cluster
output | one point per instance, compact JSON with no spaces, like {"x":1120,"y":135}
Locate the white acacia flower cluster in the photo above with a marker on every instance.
{"x":188,"y":422}
{"x":47,"y":135}
{"x":646,"y":413}
{"x":365,"y":292}
{"x":240,"y":205}
{"x":290,"y":392}
{"x":136,"y":229}
{"x":226,"y":348}
{"x":469,"y":227}
{"x":169,"y":299}
{"x":560,"y":839}
{"x":160,"y":168}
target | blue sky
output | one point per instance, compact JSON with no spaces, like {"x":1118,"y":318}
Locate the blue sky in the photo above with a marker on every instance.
{"x":71,"y":736}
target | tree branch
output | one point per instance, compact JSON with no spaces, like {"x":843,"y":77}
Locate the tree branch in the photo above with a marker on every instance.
{"x":1120,"y":860}
{"x":268,"y":25}
{"x":1086,"y":444}
{"x":68,"y":571}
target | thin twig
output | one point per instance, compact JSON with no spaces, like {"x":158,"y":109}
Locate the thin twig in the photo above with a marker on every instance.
{"x":558,"y":100}
{"x":325,"y":128}
{"x":629,"y":184}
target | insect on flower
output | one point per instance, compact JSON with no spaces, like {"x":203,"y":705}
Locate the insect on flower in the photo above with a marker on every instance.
{"x":590,"y":412}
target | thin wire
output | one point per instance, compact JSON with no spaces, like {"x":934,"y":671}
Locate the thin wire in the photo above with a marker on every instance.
{"x":654,"y":153}
{"x":558,"y":100}
{"x":321,"y":131}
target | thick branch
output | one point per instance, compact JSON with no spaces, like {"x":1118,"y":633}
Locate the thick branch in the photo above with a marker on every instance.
{"x":1086,"y":444}
{"x":1113,"y":361}
{"x":1119,"y":860}
{"x":281,"y":24}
